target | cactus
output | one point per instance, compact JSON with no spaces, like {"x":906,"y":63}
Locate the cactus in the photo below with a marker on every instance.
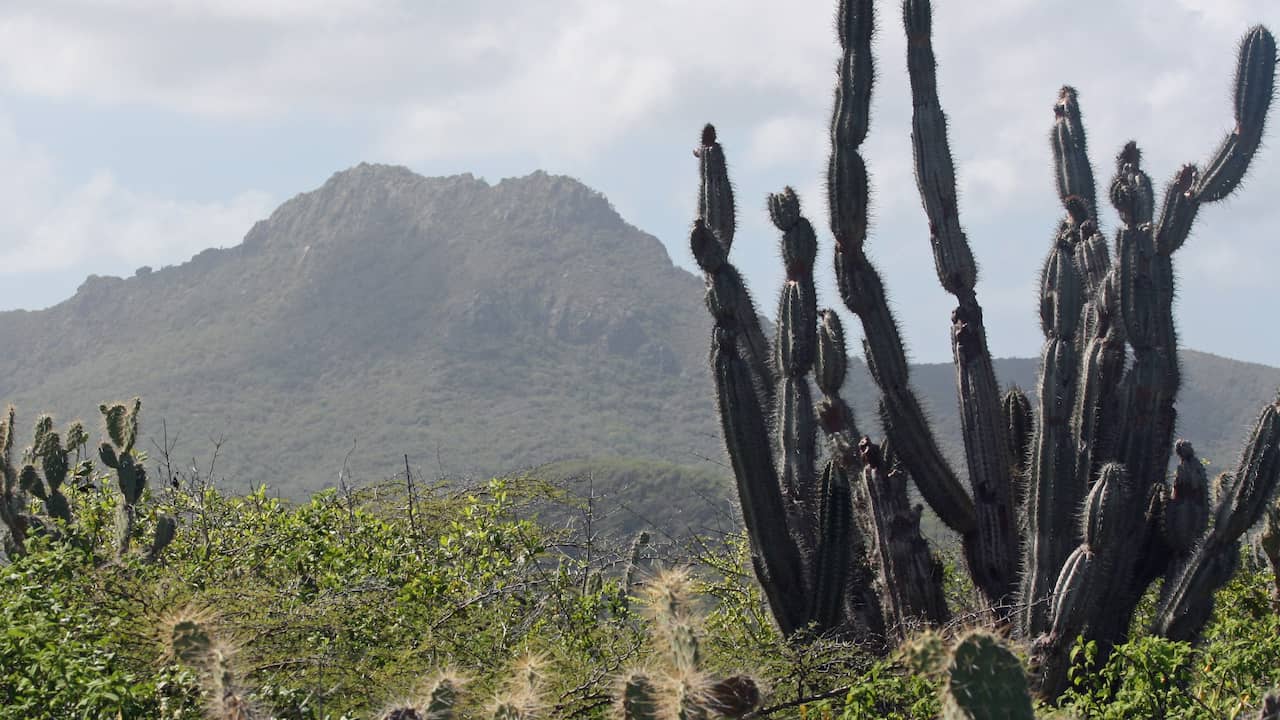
{"x":677,"y":688}
{"x":47,"y":466}
{"x":522,"y":697}
{"x":978,"y":675}
{"x":440,"y":703}
{"x":638,"y":698}
{"x":1270,"y":709}
{"x":53,"y":456}
{"x":55,"y":464}
{"x":984,"y":681}
{"x":1186,"y":600}
{"x":635,"y":560}
{"x":117,"y":454}
{"x":1101,"y":433}
{"x":191,"y":638}
{"x":1269,"y":543}
{"x":13,"y":501}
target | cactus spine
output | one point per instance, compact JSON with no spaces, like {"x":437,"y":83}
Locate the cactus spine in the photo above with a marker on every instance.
{"x":676,"y":688}
{"x":1102,"y":432}
{"x":191,"y":638}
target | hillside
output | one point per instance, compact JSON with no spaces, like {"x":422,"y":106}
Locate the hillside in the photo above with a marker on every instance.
{"x":477,"y":328}
{"x":488,"y":327}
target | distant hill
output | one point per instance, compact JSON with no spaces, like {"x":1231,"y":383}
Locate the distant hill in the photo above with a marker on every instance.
{"x":477,"y":328}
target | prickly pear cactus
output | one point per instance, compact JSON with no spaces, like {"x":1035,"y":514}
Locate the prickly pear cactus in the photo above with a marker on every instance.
{"x":190,"y":637}
{"x":985,"y":681}
{"x":46,"y":468}
{"x":117,"y":453}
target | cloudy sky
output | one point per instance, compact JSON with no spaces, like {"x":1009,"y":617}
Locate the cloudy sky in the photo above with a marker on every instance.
{"x":138,"y":132}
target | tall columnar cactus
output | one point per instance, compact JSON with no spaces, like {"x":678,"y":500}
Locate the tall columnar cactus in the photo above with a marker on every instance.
{"x":1099,"y":436}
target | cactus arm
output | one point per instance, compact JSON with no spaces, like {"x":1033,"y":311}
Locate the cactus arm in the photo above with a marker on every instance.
{"x":1060,"y":465}
{"x":715,"y":192}
{"x":1186,"y":512}
{"x":845,"y":593}
{"x":837,"y":547}
{"x":1134,"y":298}
{"x":834,"y":548}
{"x":1146,"y":287}
{"x":775,"y":553}
{"x":993,"y":548}
{"x":910,"y":574}
{"x":1102,"y":365}
{"x":1149,"y":389}
{"x":1073,"y":172}
{"x":1146,"y":263}
{"x":1099,"y":340}
{"x":861,"y":601}
{"x":1107,"y":543}
{"x":1019,"y":426}
{"x":1254,"y":86}
{"x":795,"y":348}
{"x":1187,"y":605}
{"x":1146,"y":301}
{"x":1051,"y":487}
{"x":859,"y":283}
{"x":716,"y":208}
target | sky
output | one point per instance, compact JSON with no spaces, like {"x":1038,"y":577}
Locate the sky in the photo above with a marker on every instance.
{"x":139,"y":132}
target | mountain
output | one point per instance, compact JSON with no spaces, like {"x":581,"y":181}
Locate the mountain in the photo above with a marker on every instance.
{"x":477,"y":328}
{"x":484,"y":326}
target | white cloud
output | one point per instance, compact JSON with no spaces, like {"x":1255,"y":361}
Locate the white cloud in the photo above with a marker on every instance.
{"x":49,"y":225}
